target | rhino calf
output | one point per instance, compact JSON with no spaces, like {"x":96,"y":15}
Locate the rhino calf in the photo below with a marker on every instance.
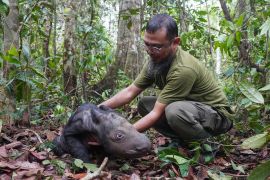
{"x":113,"y":132}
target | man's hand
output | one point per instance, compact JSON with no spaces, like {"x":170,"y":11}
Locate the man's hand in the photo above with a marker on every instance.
{"x":150,"y":119}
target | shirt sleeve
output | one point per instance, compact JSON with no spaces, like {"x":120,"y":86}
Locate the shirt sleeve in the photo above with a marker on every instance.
{"x":178,"y":86}
{"x":143,"y":80}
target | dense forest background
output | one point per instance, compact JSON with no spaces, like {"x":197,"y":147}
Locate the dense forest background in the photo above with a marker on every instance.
{"x":55,"y":55}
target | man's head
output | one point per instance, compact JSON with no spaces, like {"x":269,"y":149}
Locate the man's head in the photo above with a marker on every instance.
{"x":161,"y":37}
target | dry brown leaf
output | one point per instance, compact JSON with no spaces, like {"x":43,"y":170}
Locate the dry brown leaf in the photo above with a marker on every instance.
{"x":50,"y":135}
{"x":248,"y":151}
{"x":5,"y":177}
{"x":3,"y":152}
{"x":39,"y":155}
{"x":7,"y":165}
{"x":27,"y":165}
{"x":134,"y":176}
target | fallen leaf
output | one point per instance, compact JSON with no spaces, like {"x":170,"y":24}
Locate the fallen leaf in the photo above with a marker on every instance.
{"x":134,"y":176}
{"x":202,"y":173}
{"x":5,"y":177}
{"x":50,"y":135}
{"x":27,"y":165}
{"x":248,"y":151}
{"x":3,"y":152}
{"x":7,"y":165}
{"x":222,"y":161}
{"x":39,"y":155}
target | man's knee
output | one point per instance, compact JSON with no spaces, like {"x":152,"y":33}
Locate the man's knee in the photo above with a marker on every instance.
{"x":179,"y":110}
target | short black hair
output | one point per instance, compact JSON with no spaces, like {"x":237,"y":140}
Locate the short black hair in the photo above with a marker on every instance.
{"x":163,"y":20}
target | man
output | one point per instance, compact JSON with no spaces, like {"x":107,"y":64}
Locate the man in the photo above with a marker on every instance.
{"x":190,"y":105}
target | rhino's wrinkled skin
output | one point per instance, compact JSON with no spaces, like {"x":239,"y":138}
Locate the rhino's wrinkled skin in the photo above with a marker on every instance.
{"x":117,"y":136}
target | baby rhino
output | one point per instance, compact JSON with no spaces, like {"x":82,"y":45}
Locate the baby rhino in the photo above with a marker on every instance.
{"x":112,"y":131}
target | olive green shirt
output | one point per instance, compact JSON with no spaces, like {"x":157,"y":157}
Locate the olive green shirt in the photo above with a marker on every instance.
{"x":186,"y":79}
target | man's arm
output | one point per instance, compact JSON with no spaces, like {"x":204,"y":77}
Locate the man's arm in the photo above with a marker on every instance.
{"x":123,"y":97}
{"x":151,"y":118}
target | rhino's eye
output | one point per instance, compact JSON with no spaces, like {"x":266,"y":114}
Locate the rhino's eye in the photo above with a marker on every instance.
{"x":118,"y":136}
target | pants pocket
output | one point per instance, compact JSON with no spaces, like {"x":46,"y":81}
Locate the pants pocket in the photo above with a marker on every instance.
{"x":212,"y":120}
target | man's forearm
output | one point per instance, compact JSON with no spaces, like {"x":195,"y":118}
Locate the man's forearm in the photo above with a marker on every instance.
{"x":123,"y":97}
{"x":151,"y":118}
{"x":147,"y":121}
{"x":117,"y":100}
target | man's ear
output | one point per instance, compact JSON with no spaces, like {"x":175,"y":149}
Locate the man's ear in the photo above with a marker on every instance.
{"x":176,"y":41}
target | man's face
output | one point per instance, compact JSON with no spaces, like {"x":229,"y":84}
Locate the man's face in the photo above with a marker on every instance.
{"x":158,"y":46}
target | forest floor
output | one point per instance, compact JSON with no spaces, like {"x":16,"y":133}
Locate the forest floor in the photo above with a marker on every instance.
{"x":25,"y":154}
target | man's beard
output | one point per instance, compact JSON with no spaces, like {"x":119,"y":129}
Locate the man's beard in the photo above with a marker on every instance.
{"x":161,"y":68}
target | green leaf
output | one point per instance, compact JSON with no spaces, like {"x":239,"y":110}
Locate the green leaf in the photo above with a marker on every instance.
{"x":240,"y":20}
{"x":230,"y":41}
{"x":178,"y":159}
{"x":60,"y":164}
{"x":215,"y":176}
{"x":256,"y":141}
{"x":125,"y":167}
{"x":12,"y":60}
{"x":202,"y":13}
{"x":260,"y":172}
{"x":238,"y":36}
{"x":90,"y":167}
{"x":78,"y":163}
{"x":46,"y":162}
{"x":13,"y":51}
{"x":265,"y":88}
{"x":207,"y":147}
{"x":237,"y":168}
{"x":202,"y":19}
{"x":265,"y":28}
{"x":37,"y":72}
{"x":184,"y":169}
{"x":251,"y":93}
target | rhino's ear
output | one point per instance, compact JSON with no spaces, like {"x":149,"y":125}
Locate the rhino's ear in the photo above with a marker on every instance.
{"x":97,"y":115}
{"x":105,"y":108}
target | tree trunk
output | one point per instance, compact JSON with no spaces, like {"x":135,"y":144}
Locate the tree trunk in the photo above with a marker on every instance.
{"x":11,"y":38}
{"x":86,"y":75}
{"x":129,"y":56}
{"x":69,"y":73}
{"x":11,"y":34}
{"x":182,"y":16}
{"x":46,"y":43}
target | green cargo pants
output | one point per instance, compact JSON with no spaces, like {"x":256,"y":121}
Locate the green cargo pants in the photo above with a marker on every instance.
{"x":187,"y":120}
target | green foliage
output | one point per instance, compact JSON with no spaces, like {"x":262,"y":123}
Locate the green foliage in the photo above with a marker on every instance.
{"x":171,"y":155}
{"x":23,"y":78}
{"x":260,"y":172}
{"x":79,"y":164}
{"x":58,"y":164}
{"x":257,"y":141}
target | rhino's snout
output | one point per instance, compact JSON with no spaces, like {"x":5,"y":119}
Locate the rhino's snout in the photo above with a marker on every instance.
{"x":140,"y":149}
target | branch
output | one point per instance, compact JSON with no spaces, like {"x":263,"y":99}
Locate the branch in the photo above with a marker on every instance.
{"x":225,"y":10}
{"x":97,"y":172}
{"x":38,"y":137}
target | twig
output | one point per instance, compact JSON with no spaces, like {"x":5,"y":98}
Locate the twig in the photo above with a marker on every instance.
{"x":13,"y":145}
{"x":236,"y":175}
{"x":39,"y":139}
{"x":97,"y":172}
{"x":4,"y":136}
